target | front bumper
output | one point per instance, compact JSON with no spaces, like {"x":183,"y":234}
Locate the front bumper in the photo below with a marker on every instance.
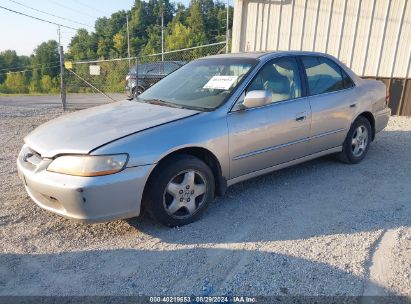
{"x":129,"y":92}
{"x":129,"y":89}
{"x":90,"y":199}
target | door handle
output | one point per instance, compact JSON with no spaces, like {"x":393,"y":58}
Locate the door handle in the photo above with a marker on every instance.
{"x":352,"y":105}
{"x":301,"y":116}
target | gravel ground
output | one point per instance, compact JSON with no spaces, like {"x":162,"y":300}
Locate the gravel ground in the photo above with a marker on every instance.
{"x":320,"y":228}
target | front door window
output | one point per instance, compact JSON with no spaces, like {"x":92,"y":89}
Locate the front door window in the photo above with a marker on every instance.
{"x":280,"y":77}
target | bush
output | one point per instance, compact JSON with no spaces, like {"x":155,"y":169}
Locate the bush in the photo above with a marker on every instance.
{"x":46,"y":84}
{"x":16,"y":83}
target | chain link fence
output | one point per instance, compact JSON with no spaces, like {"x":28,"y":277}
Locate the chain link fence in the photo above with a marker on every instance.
{"x":117,"y":79}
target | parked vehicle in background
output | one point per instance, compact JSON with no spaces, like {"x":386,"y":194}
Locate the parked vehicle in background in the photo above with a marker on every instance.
{"x":212,"y":123}
{"x":148,"y":74}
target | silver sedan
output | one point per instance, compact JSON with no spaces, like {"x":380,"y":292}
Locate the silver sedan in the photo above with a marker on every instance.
{"x":212,"y":123}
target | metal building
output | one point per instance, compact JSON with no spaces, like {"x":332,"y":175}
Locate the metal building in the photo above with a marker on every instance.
{"x":373,"y":37}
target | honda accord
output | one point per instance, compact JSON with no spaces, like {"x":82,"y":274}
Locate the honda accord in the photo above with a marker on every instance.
{"x":212,"y":123}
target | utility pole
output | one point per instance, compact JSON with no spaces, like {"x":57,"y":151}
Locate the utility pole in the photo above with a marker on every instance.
{"x":162,"y":34}
{"x":62,"y":83}
{"x":227,"y":31}
{"x":128,"y":42}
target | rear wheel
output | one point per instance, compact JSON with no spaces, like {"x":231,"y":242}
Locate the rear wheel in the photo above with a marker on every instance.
{"x":179,"y":191}
{"x":357,"y":142}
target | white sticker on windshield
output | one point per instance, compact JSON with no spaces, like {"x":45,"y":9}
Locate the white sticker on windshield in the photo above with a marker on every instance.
{"x":220,"y":82}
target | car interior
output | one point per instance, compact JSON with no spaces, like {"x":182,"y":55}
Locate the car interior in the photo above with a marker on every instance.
{"x":278,"y":79}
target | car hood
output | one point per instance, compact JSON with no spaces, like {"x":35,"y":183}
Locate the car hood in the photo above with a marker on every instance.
{"x":83,"y":131}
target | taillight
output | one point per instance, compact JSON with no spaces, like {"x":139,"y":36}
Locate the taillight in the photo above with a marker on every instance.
{"x":387,"y":96}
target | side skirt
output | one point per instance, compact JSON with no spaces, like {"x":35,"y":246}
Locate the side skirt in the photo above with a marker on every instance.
{"x":281,"y":166}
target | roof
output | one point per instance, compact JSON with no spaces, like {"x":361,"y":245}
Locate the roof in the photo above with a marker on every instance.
{"x":251,"y":55}
{"x":255,"y":55}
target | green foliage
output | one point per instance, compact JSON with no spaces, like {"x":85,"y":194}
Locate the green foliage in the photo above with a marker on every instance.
{"x":153,"y":44}
{"x":46,"y":55}
{"x":180,"y":37}
{"x":39,"y":73}
{"x":35,"y":82}
{"x":49,"y":85}
{"x":9,"y":61}
{"x":83,"y":46}
{"x":15,"y":83}
{"x":120,"y":44}
{"x":202,"y":22}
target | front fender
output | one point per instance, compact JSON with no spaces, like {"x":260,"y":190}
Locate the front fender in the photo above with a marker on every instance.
{"x":206,"y":130}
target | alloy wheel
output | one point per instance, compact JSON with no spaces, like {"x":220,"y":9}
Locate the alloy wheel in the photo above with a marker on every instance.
{"x":185,"y":194}
{"x":359,"y":141}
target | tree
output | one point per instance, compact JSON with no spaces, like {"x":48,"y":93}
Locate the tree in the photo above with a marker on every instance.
{"x":195,"y":21}
{"x":202,"y":22}
{"x":153,"y":44}
{"x":181,"y":14}
{"x":48,"y":85}
{"x":83,"y":46}
{"x":16,"y":83}
{"x":10,"y":58}
{"x":35,"y":84}
{"x":180,"y":37}
{"x":120,"y":43}
{"x":46,"y":55}
{"x":10,"y":61}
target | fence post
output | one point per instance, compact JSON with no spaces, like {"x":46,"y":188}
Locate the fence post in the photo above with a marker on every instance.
{"x":227,"y":32}
{"x":62,"y":83}
{"x":128,"y":43}
{"x":136,"y":89}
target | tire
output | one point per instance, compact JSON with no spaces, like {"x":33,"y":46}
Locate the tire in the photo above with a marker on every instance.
{"x":137,"y":91}
{"x":357,"y":142}
{"x":179,"y":191}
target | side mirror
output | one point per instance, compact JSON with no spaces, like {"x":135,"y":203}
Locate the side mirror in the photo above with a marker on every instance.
{"x":257,"y":98}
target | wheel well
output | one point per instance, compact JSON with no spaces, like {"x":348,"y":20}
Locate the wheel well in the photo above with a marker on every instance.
{"x":209,"y":158}
{"x":371,"y":119}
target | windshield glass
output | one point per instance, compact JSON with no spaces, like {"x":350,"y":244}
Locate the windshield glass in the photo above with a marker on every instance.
{"x":201,"y":84}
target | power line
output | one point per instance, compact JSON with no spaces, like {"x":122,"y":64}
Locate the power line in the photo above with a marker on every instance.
{"x":43,"y":12}
{"x":69,"y":8}
{"x":51,"y":22}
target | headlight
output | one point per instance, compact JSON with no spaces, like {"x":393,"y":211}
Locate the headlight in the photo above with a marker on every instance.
{"x":88,"y":165}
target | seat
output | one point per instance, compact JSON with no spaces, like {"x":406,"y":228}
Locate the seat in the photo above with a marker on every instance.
{"x":276,"y":83}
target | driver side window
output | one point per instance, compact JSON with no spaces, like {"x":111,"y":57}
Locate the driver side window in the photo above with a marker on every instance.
{"x":281,"y":77}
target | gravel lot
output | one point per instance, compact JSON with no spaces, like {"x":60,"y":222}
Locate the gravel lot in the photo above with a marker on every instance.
{"x":320,"y":228}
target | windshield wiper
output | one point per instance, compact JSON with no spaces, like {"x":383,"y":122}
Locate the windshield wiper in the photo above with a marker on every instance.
{"x":173,"y":105}
{"x":160,"y":102}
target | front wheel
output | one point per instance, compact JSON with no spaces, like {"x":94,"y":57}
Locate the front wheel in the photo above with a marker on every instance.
{"x":179,"y":191}
{"x":137,"y":91}
{"x":357,"y":142}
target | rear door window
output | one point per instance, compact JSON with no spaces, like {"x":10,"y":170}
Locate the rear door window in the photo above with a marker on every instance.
{"x":324,"y":76}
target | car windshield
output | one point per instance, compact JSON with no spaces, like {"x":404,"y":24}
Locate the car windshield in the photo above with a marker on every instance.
{"x":203,"y":84}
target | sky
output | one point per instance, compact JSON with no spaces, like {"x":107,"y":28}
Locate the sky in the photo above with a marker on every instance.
{"x":24,"y":34}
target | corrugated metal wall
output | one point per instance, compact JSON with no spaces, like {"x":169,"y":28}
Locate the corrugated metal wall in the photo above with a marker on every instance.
{"x":373,"y":37}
